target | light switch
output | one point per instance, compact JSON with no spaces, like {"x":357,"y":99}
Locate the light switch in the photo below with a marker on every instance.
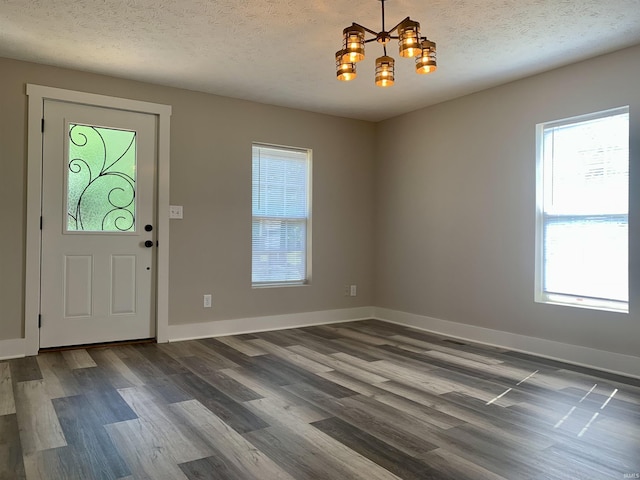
{"x":175,"y":211}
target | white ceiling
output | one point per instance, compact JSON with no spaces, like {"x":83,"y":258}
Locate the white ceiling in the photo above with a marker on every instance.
{"x":281,"y":52}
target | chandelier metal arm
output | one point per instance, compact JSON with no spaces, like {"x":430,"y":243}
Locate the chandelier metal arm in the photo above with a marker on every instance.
{"x":372,"y":32}
{"x":396,"y":27}
{"x":383,"y":32}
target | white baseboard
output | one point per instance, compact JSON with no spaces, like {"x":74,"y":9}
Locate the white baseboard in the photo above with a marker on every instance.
{"x":14,"y":348}
{"x":239,"y":326}
{"x":611,"y":362}
{"x":617,"y":363}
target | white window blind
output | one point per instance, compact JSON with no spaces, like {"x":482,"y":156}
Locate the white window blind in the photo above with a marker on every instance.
{"x":584,"y":211}
{"x":280,"y":205}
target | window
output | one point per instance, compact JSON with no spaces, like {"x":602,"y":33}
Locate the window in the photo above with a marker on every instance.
{"x":281,"y":223}
{"x":582,"y":211}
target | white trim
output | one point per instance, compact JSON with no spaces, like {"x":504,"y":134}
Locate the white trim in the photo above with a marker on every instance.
{"x":34,"y":205}
{"x":239,"y":326}
{"x":539,"y":236}
{"x":37,"y":94}
{"x":583,"y":302}
{"x":616,"y":363}
{"x":13,"y":348}
{"x":162,"y":264}
{"x":93,"y":99}
{"x":611,"y":362}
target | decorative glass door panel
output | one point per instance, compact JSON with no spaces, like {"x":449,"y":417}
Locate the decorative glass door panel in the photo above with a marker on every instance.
{"x":101,"y":179}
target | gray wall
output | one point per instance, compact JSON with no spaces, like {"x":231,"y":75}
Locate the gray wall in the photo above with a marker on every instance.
{"x":443,"y":219}
{"x":211,"y":177}
{"x":455,"y":221}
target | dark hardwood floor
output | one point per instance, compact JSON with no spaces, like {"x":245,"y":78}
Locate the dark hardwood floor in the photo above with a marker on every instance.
{"x":363,"y":400}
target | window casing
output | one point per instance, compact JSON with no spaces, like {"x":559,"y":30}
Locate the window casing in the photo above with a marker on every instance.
{"x":582,"y":211}
{"x":281,"y":221}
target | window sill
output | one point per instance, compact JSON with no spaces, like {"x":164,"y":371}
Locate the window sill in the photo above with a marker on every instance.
{"x":280,"y":284}
{"x":583,"y":302}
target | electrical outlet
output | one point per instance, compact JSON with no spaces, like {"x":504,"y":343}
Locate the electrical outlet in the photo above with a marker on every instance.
{"x":347,"y":290}
{"x":353,"y":290}
{"x":207,"y":301}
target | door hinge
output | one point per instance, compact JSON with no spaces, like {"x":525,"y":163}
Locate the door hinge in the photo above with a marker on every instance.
{"x":39,"y":321}
{"x":40,"y":222}
{"x":42,"y":125}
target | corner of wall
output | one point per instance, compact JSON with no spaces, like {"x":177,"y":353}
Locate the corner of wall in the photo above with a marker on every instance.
{"x":626,"y":365}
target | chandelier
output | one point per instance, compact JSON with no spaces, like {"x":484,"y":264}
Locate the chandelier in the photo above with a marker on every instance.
{"x":410,"y":44}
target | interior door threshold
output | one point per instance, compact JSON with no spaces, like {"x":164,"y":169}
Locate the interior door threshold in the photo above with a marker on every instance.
{"x":98,"y":345}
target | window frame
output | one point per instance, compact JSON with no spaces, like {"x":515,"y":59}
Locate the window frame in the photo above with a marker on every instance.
{"x":542,"y":296}
{"x":308,"y":233}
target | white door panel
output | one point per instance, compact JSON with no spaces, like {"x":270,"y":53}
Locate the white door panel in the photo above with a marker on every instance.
{"x":78,"y":278}
{"x":98,"y":196}
{"x":123,"y":284}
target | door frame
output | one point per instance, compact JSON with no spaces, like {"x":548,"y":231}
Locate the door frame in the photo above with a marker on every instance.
{"x":37,"y":94}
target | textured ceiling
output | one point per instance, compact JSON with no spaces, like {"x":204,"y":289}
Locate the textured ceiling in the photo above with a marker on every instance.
{"x":281,"y":52}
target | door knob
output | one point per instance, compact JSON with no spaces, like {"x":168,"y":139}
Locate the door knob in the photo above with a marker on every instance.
{"x":148,"y":243}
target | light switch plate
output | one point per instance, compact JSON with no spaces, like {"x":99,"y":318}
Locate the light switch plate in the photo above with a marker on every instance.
{"x":175,"y":211}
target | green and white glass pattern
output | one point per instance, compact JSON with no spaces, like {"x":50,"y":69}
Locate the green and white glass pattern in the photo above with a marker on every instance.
{"x":101,"y":179}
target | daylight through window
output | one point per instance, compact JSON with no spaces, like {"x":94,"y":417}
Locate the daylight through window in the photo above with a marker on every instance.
{"x":583,"y":204}
{"x":281,"y":223}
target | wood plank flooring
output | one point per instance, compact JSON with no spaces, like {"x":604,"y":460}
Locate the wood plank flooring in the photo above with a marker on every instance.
{"x":362,"y":400}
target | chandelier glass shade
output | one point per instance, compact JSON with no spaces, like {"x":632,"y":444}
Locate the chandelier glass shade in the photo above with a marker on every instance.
{"x":409,"y":38}
{"x":353,"y":43}
{"x":345,"y":69}
{"x":385,"y":71}
{"x":410,"y":44}
{"x":426,"y":60}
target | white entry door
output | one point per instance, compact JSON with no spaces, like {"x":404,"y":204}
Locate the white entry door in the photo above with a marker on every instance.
{"x":98,"y":235}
